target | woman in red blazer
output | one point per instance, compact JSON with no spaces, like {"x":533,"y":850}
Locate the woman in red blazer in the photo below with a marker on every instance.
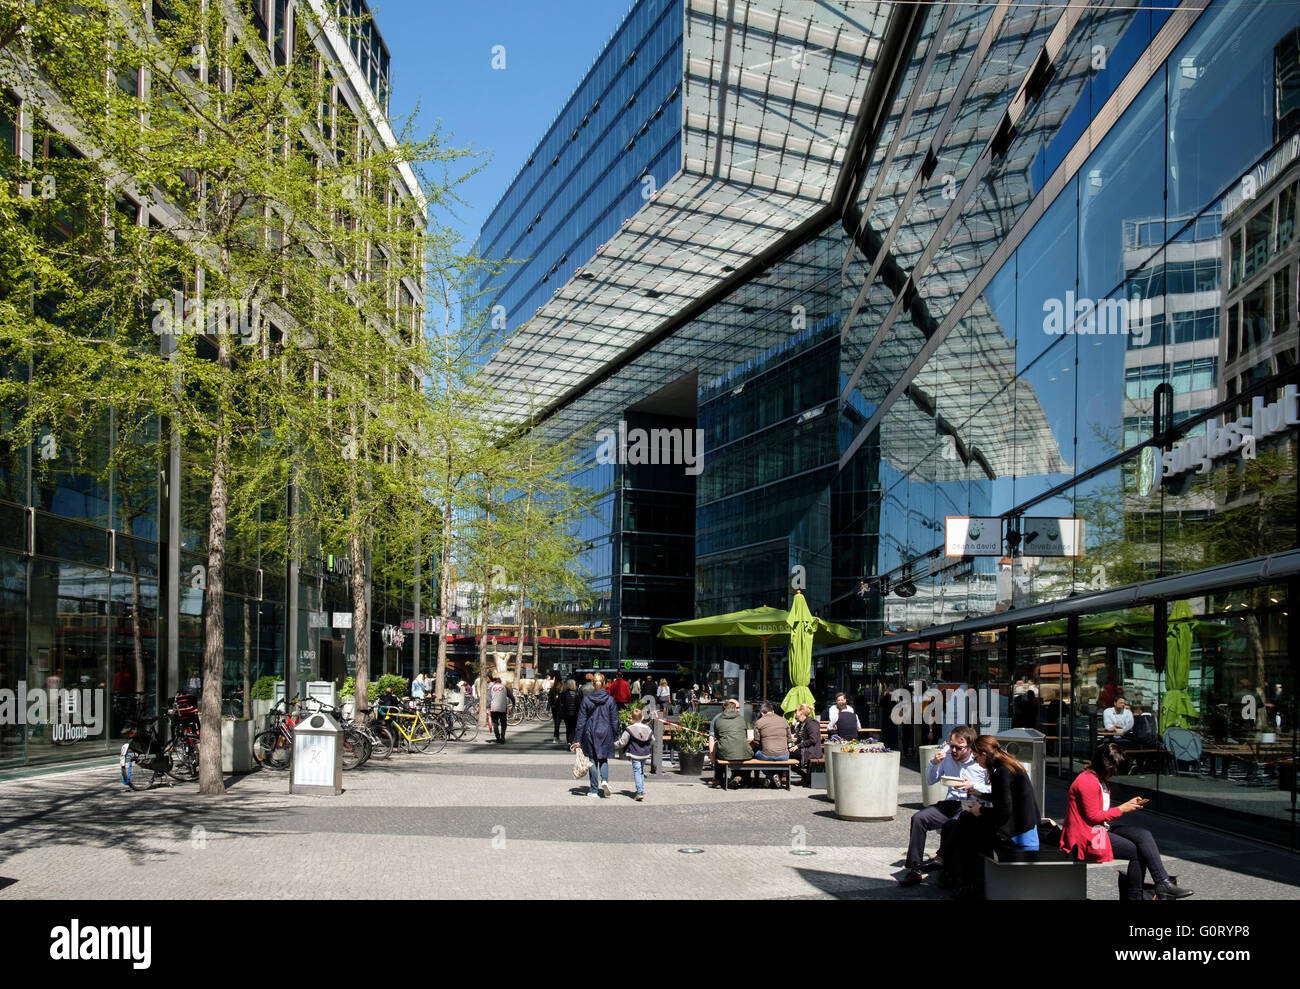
{"x":1089,"y":833}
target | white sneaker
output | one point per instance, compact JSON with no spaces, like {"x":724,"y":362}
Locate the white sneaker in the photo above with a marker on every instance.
{"x":604,"y":787}
{"x":592,"y":793}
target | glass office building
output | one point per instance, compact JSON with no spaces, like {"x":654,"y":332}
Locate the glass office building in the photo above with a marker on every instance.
{"x":617,"y":140}
{"x":1050,"y":287}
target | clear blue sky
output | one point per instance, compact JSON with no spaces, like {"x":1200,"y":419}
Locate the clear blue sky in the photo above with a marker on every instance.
{"x":442,"y":54}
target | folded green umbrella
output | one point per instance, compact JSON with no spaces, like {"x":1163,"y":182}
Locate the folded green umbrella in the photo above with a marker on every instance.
{"x":798,"y":628}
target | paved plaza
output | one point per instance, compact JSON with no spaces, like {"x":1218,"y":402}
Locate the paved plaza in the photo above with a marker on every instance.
{"x":484,"y":820}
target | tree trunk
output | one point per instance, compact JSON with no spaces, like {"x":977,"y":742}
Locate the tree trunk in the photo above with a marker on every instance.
{"x":360,"y":619}
{"x":214,"y":629}
{"x":444,"y":598}
{"x":248,"y":662}
{"x":519,"y":641}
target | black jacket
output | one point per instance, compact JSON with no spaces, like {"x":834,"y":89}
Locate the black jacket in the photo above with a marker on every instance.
{"x":1015,"y":806}
{"x":809,"y":735}
{"x":570,"y":701}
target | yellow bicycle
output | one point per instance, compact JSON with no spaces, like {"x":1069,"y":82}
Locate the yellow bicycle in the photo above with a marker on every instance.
{"x":414,"y":732}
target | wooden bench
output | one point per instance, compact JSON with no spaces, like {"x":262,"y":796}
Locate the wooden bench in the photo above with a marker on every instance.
{"x":1047,"y":874}
{"x":730,"y":766}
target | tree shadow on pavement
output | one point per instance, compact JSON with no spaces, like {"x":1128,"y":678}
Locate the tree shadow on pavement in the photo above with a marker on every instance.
{"x":89,"y":810}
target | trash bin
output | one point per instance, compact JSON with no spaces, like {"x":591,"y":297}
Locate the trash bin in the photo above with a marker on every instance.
{"x":1030,"y":747}
{"x":317,"y":756}
{"x":931,"y":793}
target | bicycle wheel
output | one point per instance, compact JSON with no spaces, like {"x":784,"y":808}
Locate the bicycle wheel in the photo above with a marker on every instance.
{"x":438,"y":740}
{"x":354,"y":749}
{"x":134,"y":775}
{"x":421,"y":736}
{"x":468,"y":728}
{"x":184,"y":754}
{"x":515,"y":715}
{"x":381,"y":742}
{"x":271,"y":750}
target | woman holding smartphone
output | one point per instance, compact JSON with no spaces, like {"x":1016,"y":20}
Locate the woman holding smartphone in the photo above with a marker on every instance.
{"x":1091,"y":834}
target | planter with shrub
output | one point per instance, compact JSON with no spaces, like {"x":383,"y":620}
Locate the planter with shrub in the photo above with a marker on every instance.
{"x":691,"y":739}
{"x":866,"y":781}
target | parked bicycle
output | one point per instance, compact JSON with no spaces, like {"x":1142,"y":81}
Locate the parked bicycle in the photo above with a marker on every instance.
{"x":273,"y":748}
{"x":183,"y":736}
{"x":143,"y":759}
{"x":416,"y":734}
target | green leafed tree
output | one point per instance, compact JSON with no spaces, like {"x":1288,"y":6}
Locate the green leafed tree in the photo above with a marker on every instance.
{"x":211,"y":247}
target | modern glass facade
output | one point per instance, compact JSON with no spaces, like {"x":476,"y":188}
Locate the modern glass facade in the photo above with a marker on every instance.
{"x":615,"y":143}
{"x":1070,"y":259}
{"x":102,"y":571}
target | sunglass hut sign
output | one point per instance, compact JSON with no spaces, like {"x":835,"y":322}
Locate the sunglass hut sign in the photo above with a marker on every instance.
{"x":1223,"y":439}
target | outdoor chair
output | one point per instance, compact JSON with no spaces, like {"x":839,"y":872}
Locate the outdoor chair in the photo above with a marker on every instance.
{"x":1184,"y":746}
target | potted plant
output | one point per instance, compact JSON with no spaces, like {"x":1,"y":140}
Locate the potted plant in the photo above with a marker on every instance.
{"x":625,"y":716}
{"x":263,"y":691}
{"x":691,"y":740}
{"x":866,"y":780}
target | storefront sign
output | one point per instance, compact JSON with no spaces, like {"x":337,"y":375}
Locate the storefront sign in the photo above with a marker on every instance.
{"x":966,"y":535}
{"x":1051,"y":536}
{"x":342,"y":619}
{"x":1221,"y":439}
{"x":636,"y":664}
{"x":318,"y":619}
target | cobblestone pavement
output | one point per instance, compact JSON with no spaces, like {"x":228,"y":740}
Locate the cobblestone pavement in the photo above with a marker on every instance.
{"x":486,"y":820}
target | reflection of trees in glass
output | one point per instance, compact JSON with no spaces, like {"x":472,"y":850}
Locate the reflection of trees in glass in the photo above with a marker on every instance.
{"x":1239,"y":510}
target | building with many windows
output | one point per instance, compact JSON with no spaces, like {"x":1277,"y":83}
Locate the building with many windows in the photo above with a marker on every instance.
{"x":102,"y":575}
{"x":1027,"y":269}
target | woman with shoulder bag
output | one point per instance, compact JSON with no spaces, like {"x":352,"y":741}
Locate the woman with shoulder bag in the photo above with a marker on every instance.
{"x":1089,"y":833}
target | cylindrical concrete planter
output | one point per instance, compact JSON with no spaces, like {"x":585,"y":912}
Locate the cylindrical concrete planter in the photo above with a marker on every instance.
{"x":827,"y":749}
{"x":866,"y":785}
{"x":237,"y":746}
{"x":930,"y":793}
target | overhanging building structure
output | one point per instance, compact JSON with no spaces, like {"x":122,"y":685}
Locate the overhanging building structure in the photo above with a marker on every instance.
{"x":855,"y":282}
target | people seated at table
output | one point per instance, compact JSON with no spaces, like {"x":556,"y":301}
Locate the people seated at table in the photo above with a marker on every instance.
{"x":729,"y":741}
{"x":1092,"y":834}
{"x":1009,"y":819}
{"x":771,"y":738}
{"x":807,"y":744}
{"x":1118,"y":719}
{"x":833,"y":712}
{"x":843,"y":721}
{"x":956,"y":762}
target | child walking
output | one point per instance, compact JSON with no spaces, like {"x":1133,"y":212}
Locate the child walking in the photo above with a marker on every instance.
{"x":636,"y":739}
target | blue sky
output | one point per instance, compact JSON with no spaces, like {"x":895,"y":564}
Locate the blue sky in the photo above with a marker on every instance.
{"x":442,"y":55}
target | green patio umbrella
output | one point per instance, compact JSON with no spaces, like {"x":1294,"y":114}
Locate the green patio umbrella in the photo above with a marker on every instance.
{"x":1175,"y":706}
{"x":799,"y":660}
{"x":761,"y":625}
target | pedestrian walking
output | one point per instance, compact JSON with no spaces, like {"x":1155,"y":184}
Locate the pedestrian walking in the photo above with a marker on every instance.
{"x":636,"y":739}
{"x":570,"y":702}
{"x":597,"y":730}
{"x":553,"y":699}
{"x":620,"y":691}
{"x":500,"y":697}
{"x":664,"y":696}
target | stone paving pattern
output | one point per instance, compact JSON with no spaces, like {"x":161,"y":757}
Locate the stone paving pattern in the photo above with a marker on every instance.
{"x":481,"y":820}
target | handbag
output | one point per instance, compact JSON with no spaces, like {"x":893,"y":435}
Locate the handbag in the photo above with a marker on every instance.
{"x":580,"y":764}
